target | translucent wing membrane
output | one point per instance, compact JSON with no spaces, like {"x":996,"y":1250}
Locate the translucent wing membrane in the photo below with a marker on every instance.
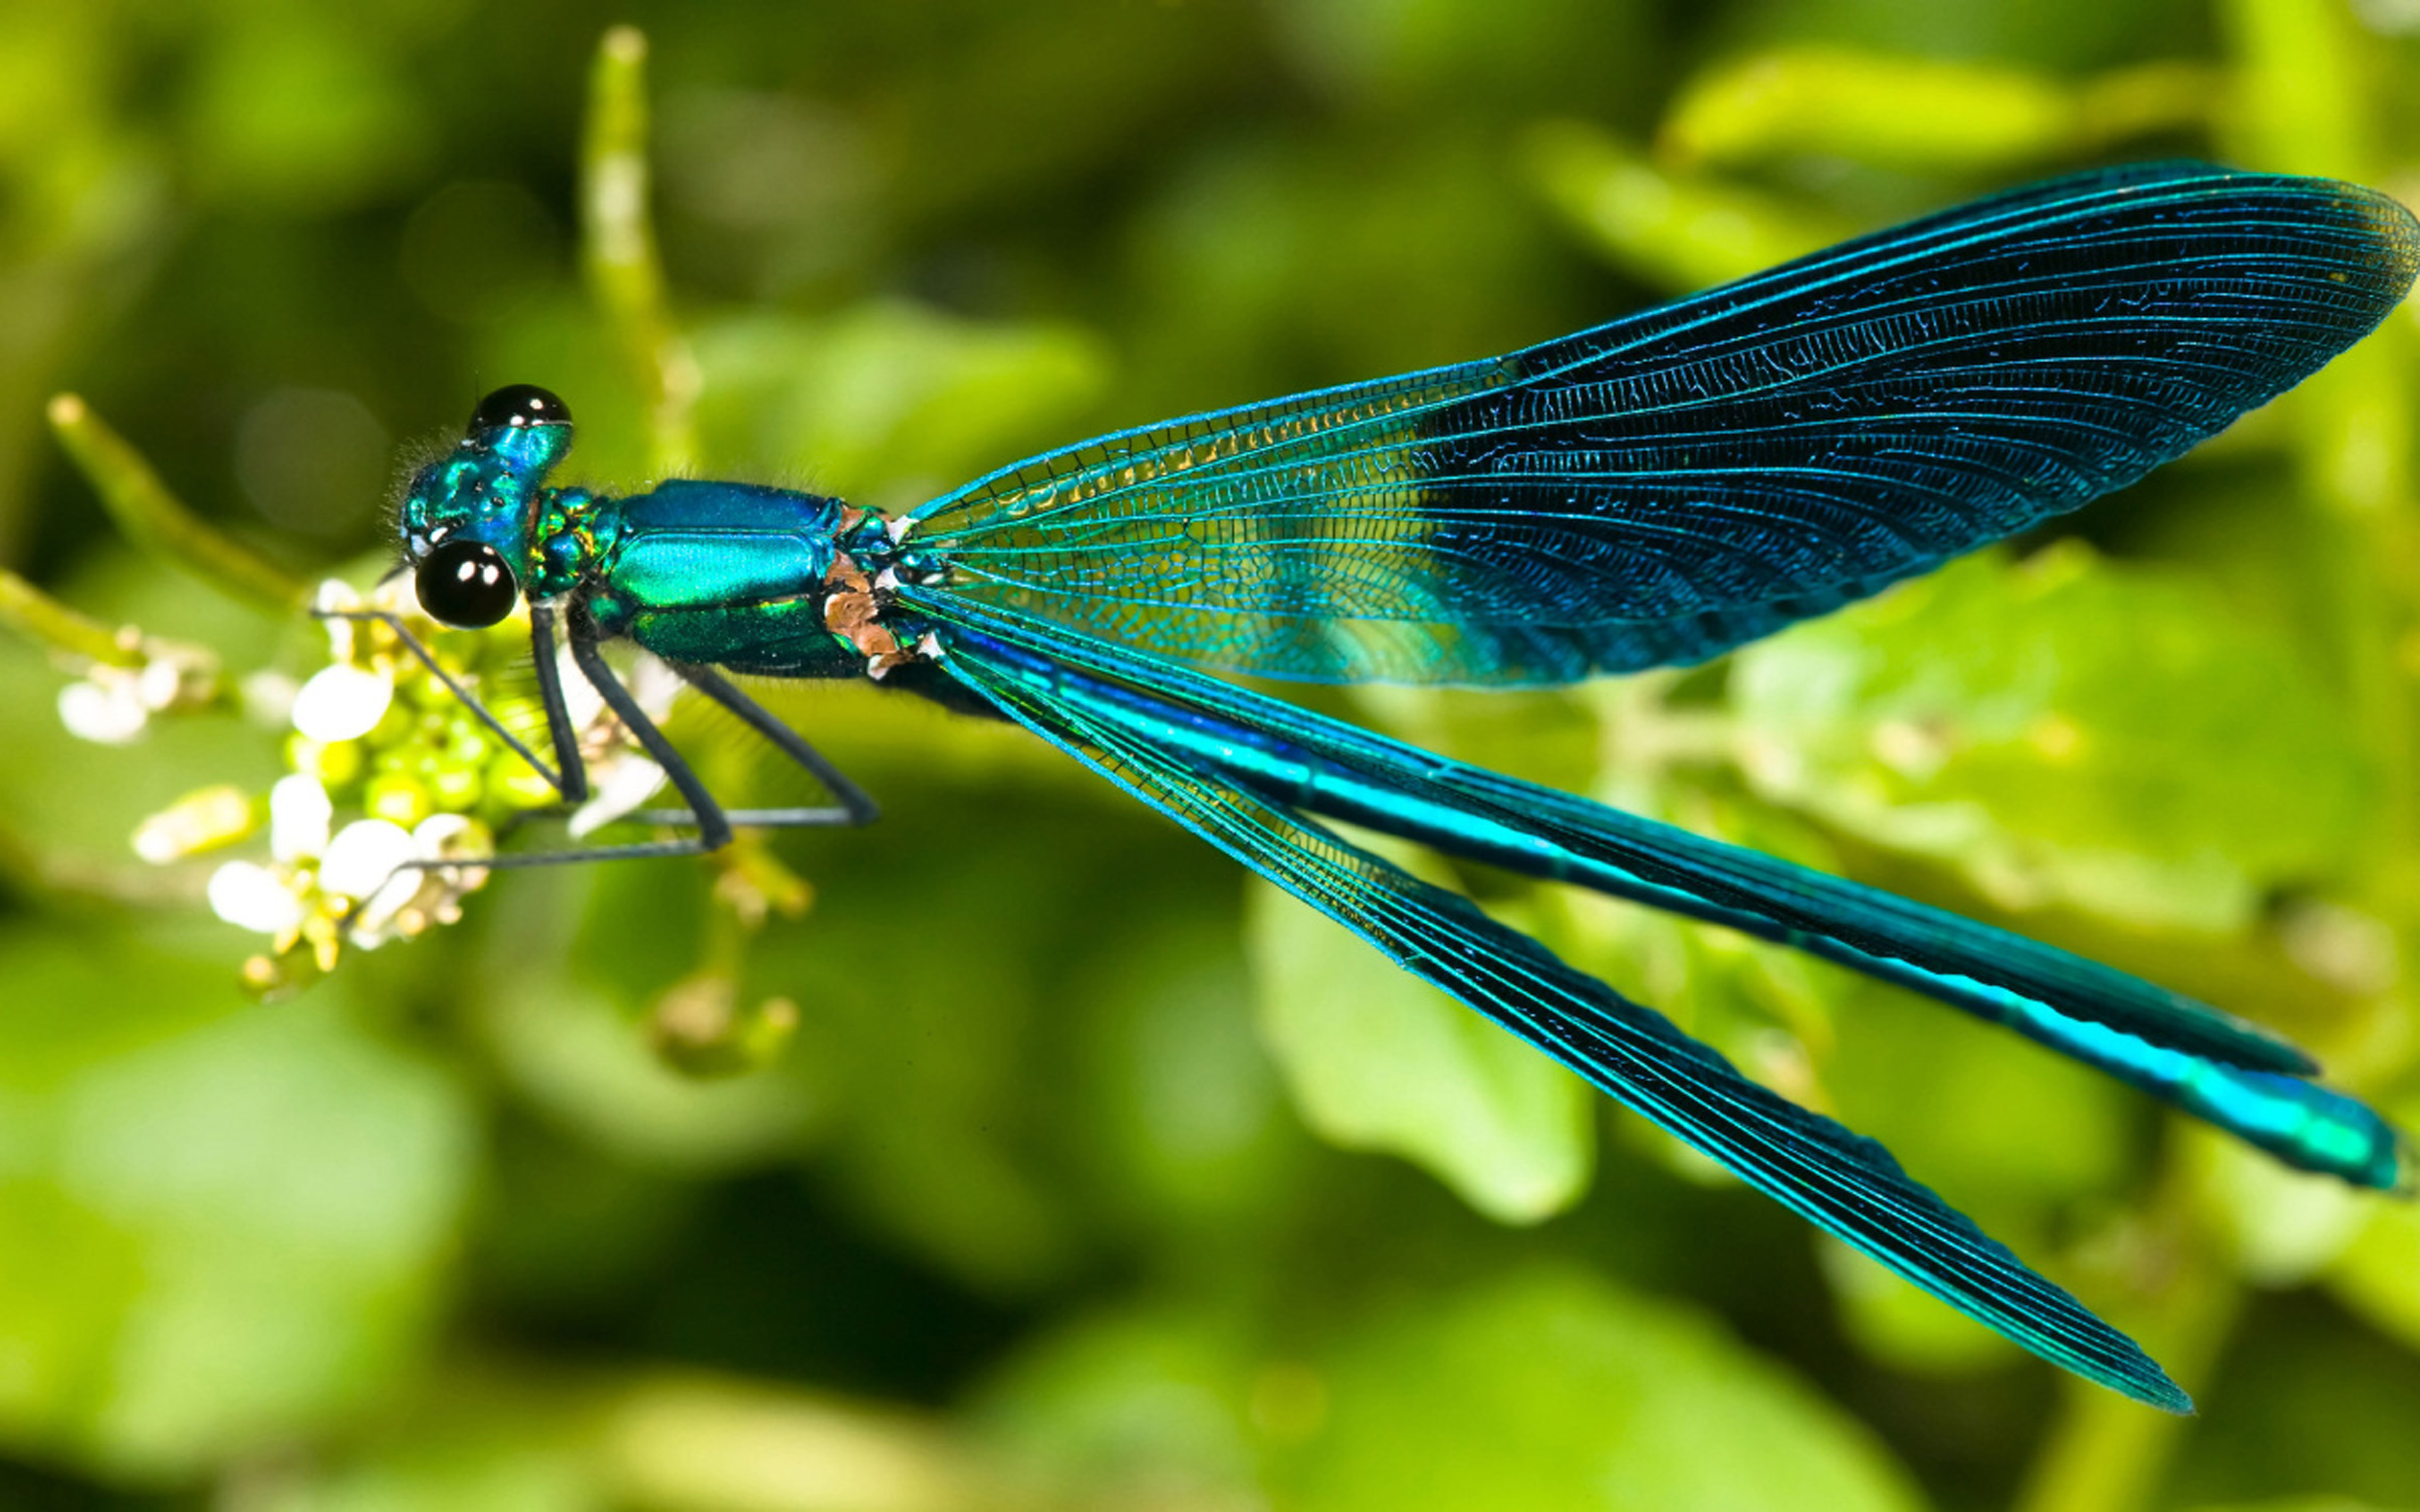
{"x":1666,"y":487}
{"x":1850,"y":1185}
{"x":2214,"y":1065}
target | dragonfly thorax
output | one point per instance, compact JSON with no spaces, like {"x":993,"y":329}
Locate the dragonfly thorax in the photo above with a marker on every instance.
{"x":751,"y":577}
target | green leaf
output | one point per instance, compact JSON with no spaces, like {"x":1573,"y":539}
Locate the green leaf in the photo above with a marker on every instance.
{"x":2318,"y":1502}
{"x":1268,"y":265}
{"x":1898,"y":1323}
{"x":1672,"y":229}
{"x":2282,"y":1225}
{"x":1132,"y":1407}
{"x":947,"y":1017}
{"x":220,"y":1228}
{"x":1559,"y":1393}
{"x":2006,"y":1130}
{"x":2010,"y":1127}
{"x":2064,"y":729}
{"x":889,"y":404}
{"x":1377,"y":1060}
{"x":2302,"y":1503}
{"x":1176,"y":1103}
{"x":1912,"y":112}
{"x":572,"y":1046}
{"x":2373,"y":1274}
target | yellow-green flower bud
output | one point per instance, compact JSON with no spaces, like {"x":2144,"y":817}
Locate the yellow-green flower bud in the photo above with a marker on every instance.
{"x":455,"y":786}
{"x":200,"y":820}
{"x":515,"y":786}
{"x":397,"y":798}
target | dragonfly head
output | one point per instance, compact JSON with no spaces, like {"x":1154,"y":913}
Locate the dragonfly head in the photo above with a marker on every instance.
{"x":467,"y":515}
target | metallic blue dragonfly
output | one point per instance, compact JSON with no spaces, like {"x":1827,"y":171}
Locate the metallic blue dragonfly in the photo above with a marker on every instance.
{"x":1653,"y":492}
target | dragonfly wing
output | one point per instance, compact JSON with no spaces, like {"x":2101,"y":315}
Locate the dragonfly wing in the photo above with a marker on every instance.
{"x":1848,"y":1184}
{"x":1664,"y":487}
{"x":2211,"y":1064}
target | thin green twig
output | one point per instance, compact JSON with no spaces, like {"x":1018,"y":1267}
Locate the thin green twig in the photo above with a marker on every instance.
{"x":27,"y":609}
{"x":155,"y":519}
{"x":2104,"y":1453}
{"x":618,"y":246}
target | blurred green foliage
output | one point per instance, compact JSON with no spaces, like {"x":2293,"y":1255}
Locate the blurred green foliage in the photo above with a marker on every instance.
{"x":1091,"y":1176}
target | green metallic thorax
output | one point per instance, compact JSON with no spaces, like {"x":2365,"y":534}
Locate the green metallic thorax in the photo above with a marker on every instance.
{"x":569,"y":530}
{"x":733,"y":575}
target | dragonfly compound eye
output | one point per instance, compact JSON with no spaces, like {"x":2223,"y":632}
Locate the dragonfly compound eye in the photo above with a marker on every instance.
{"x":517,"y":405}
{"x":466,"y":584}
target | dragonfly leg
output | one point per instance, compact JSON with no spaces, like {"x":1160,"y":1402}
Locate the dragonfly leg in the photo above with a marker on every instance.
{"x":569,"y":775}
{"x":854,"y":808}
{"x":713,"y":824}
{"x":566,"y":775}
{"x":574,"y":782}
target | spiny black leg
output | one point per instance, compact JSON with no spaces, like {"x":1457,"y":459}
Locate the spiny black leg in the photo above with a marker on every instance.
{"x":855,"y":807}
{"x":575,"y":787}
{"x":713,"y":826}
{"x":569,"y":776}
{"x":713,"y":829}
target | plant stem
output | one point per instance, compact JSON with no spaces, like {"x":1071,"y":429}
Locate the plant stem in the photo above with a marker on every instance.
{"x":2105,"y":1453}
{"x":71,"y":633}
{"x":155,"y":519}
{"x":618,"y":246}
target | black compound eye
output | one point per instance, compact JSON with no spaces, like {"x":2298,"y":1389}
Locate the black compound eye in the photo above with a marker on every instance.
{"x":466,"y":584}
{"x":519,"y":404}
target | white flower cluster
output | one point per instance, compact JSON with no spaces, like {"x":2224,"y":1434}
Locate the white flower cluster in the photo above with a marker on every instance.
{"x":373,"y":877}
{"x":112,"y":705}
{"x":373,"y":732}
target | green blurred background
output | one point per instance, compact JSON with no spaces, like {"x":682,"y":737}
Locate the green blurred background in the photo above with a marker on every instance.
{"x":1094,"y":1177}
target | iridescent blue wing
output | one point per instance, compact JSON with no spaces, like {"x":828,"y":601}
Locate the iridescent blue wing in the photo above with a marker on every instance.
{"x":1669,"y":485}
{"x":1848,"y":1184}
{"x":2218,"y":1068}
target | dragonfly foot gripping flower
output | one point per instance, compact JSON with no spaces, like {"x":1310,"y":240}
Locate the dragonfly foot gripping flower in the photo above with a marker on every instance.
{"x":381,"y":734}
